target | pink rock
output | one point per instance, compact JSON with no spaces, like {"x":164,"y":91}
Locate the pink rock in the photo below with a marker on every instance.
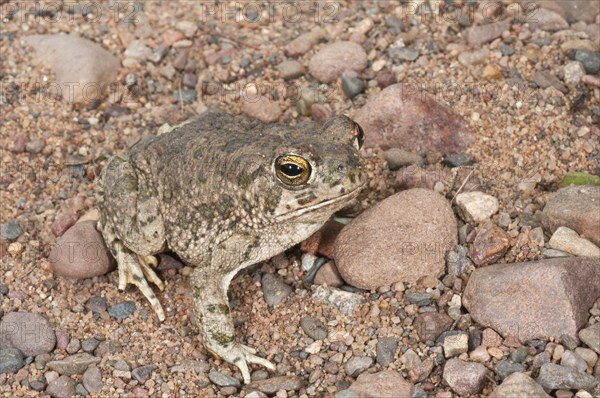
{"x":545,"y":19}
{"x":303,"y":43}
{"x":328,"y":275}
{"x":519,"y":385}
{"x":30,"y":333}
{"x":430,"y":325}
{"x":262,"y":108}
{"x":403,"y":238}
{"x":322,"y":241}
{"x":403,"y":117}
{"x":334,"y":59}
{"x":63,"y":222}
{"x":80,"y":253}
{"x":537,"y":299}
{"x":385,"y":384}
{"x":490,"y":244}
{"x":464,"y":377}
{"x":478,"y":35}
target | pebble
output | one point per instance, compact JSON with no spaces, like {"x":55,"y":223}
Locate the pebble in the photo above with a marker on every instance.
{"x":122,"y":310}
{"x":80,"y":253}
{"x":188,"y":28}
{"x":489,"y":245}
{"x":476,"y":207}
{"x":380,"y":233}
{"x":11,"y":360}
{"x":457,"y":261}
{"x":89,"y":345}
{"x":275,"y":291}
{"x":189,"y":80}
{"x":137,"y":50}
{"x":322,"y":241}
{"x":403,"y":54}
{"x":188,"y":96}
{"x":549,"y":20}
{"x":553,"y":376}
{"x":480,"y":354}
{"x":481,"y":34}
{"x":545,"y":79}
{"x":430,"y":325}
{"x":386,"y":78}
{"x":506,"y":298}
{"x":291,"y":69}
{"x":464,"y":377}
{"x":320,"y":112}
{"x":589,"y":356}
{"x":455,"y":344}
{"x":73,"y":364}
{"x":380,"y":384}
{"x":63,"y":222}
{"x":574,"y":361}
{"x":76,"y":60}
{"x":92,"y":380}
{"x":400,"y":118}
{"x":573,"y":72}
{"x":36,"y":146}
{"x":470,"y":58}
{"x":62,"y":387}
{"x":262,"y":108}
{"x":519,"y":385}
{"x":519,"y":355}
{"x":575,"y":207}
{"x":352,"y":86}
{"x":96,"y":304}
{"x":143,"y":373}
{"x":578,"y":44}
{"x":304,"y":43}
{"x":275,"y":384}
{"x":30,"y":333}
{"x":591,"y":336}
{"x":10,"y":230}
{"x":222,"y":380}
{"x":590,"y":60}
{"x":328,"y":275}
{"x":386,"y":350}
{"x":357,"y":365}
{"x":397,"y":158}
{"x":505,"y":368}
{"x":567,"y":240}
{"x":313,"y":328}
{"x":334,"y":59}
{"x":344,"y":302}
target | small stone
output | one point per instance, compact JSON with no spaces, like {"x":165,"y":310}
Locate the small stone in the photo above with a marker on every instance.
{"x":137,"y":50}
{"x":470,"y":58}
{"x":11,"y":360}
{"x":590,"y":60}
{"x":573,"y":72}
{"x":314,"y":328}
{"x":506,"y":50}
{"x":188,"y":96}
{"x":262,"y":108}
{"x":481,"y":34}
{"x":357,"y":365}
{"x":519,"y":355}
{"x":10,"y":230}
{"x":480,"y":354}
{"x":63,"y":222}
{"x":303,"y":43}
{"x":80,"y":253}
{"x":589,"y":356}
{"x":397,"y":158}
{"x":222,"y":380}
{"x":519,"y":385}
{"x":545,"y":79}
{"x":402,"y":54}
{"x":411,"y":360}
{"x":457,"y":261}
{"x":549,"y":20}
{"x":387,"y":383}
{"x":553,"y":376}
{"x":96,"y":304}
{"x":36,"y":146}
{"x":430,"y":325}
{"x":92,"y":380}
{"x":491,"y":72}
{"x":567,"y":240}
{"x":159,"y":53}
{"x":122,"y":310}
{"x":275,"y":291}
{"x":320,"y":112}
{"x":489,"y":245}
{"x":464,"y":377}
{"x":74,"y":364}
{"x":344,"y":302}
{"x":476,"y":206}
{"x":62,"y":387}
{"x":574,"y":361}
{"x":386,"y":78}
{"x":291,"y":69}
{"x":456,"y":344}
{"x":328,"y":275}
{"x":505,"y":368}
{"x":352,"y":86}
{"x":143,"y":373}
{"x":89,"y":345}
{"x":386,"y":350}
{"x":188,"y":28}
{"x":275,"y":384}
{"x":334,"y":59}
{"x":591,"y":337}
{"x":28,"y":332}
{"x":189,"y":80}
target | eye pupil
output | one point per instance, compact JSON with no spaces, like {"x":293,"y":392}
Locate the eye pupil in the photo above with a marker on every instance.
{"x":291,"y":169}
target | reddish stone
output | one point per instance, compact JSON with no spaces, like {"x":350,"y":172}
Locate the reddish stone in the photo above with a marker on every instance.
{"x":430,"y":325}
{"x":490,"y":244}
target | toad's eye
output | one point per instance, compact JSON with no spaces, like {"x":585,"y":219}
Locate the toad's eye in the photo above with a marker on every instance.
{"x":292,"y":169}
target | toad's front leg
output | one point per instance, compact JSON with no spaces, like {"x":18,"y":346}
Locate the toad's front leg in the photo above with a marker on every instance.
{"x":211,"y":316}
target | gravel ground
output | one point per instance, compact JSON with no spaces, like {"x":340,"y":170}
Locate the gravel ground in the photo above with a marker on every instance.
{"x":525,"y":140}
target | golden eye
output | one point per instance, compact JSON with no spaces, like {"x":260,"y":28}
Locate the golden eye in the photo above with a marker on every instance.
{"x":292,"y":169}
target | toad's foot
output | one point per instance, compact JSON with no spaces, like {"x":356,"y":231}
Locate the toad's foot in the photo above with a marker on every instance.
{"x":137,"y":270}
{"x":240,"y":355}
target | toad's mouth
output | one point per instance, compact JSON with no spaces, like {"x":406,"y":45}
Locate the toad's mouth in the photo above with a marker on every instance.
{"x":326,"y":203}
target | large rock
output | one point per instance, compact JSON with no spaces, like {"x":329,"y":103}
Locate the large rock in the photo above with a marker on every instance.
{"x":80,"y":253}
{"x":576,"y":207}
{"x":336,"y":58}
{"x":538,"y":299}
{"x":519,"y":385}
{"x":385,"y":384}
{"x":30,"y":333}
{"x":403,"y":117}
{"x":83,"y":69}
{"x":402,"y":238}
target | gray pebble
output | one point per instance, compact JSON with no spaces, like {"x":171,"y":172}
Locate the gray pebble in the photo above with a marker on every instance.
{"x":352,"y":86}
{"x":397,"y":158}
{"x":62,"y":387}
{"x":35,"y":146}
{"x":420,"y":299}
{"x":589,"y":59}
{"x":314,"y":328}
{"x":159,"y":53}
{"x":290,"y":69}
{"x":92,"y":379}
{"x":37,"y":385}
{"x":553,"y":377}
{"x":394,"y":24}
{"x":346,"y":394}
{"x":96,"y":304}
{"x":401,"y":54}
{"x":73,"y":364}
{"x":574,"y":361}
{"x":121,"y":365}
{"x":507,"y":50}
{"x":142,"y":373}
{"x":505,"y":368}
{"x":274,"y":289}
{"x":222,"y":380}
{"x":570,"y":342}
{"x":10,"y":230}
{"x":386,"y":350}
{"x":3,"y":289}
{"x":81,"y":390}
{"x":458,"y":261}
{"x":519,"y":355}
{"x":11,"y":360}
{"x":458,"y":160}
{"x":89,"y":345}
{"x":357,"y":365}
{"x":122,"y":310}
{"x":187,"y":96}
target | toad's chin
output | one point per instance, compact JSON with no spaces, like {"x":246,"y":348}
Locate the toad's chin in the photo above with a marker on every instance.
{"x":329,"y":206}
